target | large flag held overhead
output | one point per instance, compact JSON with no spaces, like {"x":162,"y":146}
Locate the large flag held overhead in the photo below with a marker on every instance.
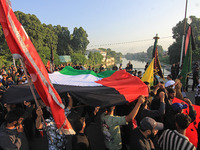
{"x":21,"y":46}
{"x":187,"y":64}
{"x":103,"y":89}
{"x":107,"y":88}
{"x":149,"y":75}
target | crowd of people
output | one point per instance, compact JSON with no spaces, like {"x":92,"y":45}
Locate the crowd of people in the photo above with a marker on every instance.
{"x":153,"y":122}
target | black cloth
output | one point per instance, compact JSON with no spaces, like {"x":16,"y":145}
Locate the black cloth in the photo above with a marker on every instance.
{"x":139,"y":142}
{"x":173,"y":73}
{"x":195,"y":79}
{"x":177,"y":69}
{"x":150,"y":113}
{"x":131,"y":67}
{"x":101,"y":69}
{"x":12,"y":140}
{"x":80,"y":142}
{"x":114,"y":68}
{"x":5,"y":83}
{"x":9,"y":75}
{"x":146,"y":66}
{"x":169,"y":118}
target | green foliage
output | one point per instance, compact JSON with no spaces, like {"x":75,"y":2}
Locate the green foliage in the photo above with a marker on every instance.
{"x":46,"y":37}
{"x":79,"y":40}
{"x":196,"y":55}
{"x":111,"y":53}
{"x":164,"y":59}
{"x":150,"y":51}
{"x":78,"y":58}
{"x":175,"y":49}
{"x":142,"y":56}
{"x":94,"y":58}
{"x":64,"y":47}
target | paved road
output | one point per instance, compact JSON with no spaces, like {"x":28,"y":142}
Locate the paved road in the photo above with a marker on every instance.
{"x":191,"y":94}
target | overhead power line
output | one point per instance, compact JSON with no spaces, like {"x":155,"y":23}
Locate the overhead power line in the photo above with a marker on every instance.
{"x":119,"y":43}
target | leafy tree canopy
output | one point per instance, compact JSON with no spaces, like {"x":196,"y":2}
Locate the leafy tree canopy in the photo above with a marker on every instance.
{"x":150,"y":51}
{"x":111,"y":53}
{"x":79,"y":40}
{"x":174,"y":50}
{"x":78,"y":58}
{"x":94,"y":58}
{"x":46,"y":37}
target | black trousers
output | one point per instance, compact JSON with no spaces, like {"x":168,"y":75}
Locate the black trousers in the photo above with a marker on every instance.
{"x":195,"y":83}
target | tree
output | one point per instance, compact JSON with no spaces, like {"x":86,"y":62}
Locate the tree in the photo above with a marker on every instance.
{"x":79,"y":40}
{"x":78,"y":58}
{"x":33,"y":27}
{"x":94,"y":58}
{"x":150,"y":51}
{"x":64,"y":47}
{"x":111,"y":53}
{"x":136,"y":56}
{"x":174,"y":50}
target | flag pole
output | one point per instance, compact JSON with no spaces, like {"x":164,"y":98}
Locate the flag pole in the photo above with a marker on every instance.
{"x":155,"y":44}
{"x":34,"y":96}
{"x":52,"y":59}
{"x":182,"y":46}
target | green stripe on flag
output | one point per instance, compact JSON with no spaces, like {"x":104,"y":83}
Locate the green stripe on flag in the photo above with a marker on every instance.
{"x":68,"y":70}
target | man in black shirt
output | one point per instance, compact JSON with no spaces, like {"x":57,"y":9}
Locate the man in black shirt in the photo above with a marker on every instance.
{"x":80,"y":140}
{"x":140,"y":138}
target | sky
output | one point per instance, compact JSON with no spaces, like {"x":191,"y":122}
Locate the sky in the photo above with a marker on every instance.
{"x":126,"y":26}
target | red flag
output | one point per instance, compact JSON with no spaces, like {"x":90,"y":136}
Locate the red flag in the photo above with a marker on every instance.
{"x":21,"y":46}
{"x":187,"y":39}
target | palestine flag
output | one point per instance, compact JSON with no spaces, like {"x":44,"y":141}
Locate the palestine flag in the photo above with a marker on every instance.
{"x":103,"y":89}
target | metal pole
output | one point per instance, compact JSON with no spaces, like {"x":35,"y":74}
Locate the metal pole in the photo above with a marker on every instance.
{"x":182,"y":46}
{"x":34,"y":96}
{"x":14,"y":61}
{"x":52,"y":59}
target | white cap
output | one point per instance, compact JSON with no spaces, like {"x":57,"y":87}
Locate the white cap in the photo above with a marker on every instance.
{"x":169,"y":83}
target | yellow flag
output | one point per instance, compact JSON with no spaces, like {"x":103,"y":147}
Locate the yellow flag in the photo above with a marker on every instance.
{"x":148,"y":75}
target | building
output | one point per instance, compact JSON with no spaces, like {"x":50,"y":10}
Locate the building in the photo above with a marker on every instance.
{"x":108,"y":60}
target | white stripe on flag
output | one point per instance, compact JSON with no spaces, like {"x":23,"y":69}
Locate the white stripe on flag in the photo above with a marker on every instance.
{"x":74,"y":80}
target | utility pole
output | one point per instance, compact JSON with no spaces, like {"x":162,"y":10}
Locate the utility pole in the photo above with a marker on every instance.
{"x":182,"y":46}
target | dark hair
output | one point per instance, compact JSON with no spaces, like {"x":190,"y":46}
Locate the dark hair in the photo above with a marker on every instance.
{"x":183,"y":120}
{"x":78,"y":124}
{"x":170,"y":90}
{"x":161,"y":82}
{"x":179,"y":76}
{"x":147,"y":83}
{"x":14,"y":115}
{"x":170,"y":76}
{"x":109,"y":108}
{"x":160,"y":90}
